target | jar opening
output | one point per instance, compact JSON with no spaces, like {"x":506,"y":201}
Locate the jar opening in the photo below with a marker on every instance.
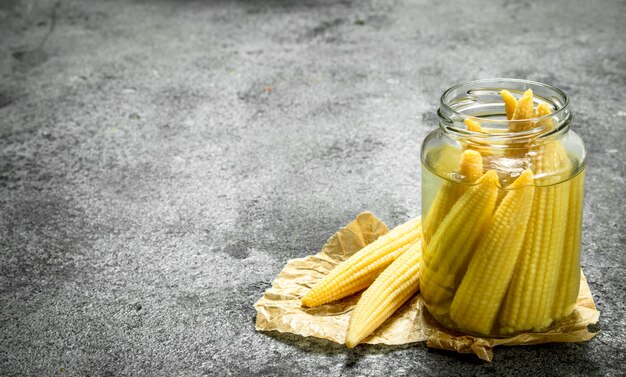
{"x":481,"y":101}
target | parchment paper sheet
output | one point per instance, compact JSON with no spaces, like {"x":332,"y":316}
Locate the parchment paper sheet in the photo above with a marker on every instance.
{"x":279,"y":309}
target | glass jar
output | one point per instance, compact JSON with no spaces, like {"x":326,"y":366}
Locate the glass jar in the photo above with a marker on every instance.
{"x":502,"y":202}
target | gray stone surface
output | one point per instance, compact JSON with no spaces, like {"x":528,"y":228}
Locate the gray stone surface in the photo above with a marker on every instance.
{"x":161,"y":160}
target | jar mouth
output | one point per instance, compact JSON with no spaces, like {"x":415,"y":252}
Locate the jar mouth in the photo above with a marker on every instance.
{"x":480,"y":101}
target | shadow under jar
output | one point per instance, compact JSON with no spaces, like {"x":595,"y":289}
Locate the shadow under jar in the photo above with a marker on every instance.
{"x":502,"y":204}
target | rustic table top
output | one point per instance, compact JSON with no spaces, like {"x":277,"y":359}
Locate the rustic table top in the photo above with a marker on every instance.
{"x":160,"y":161}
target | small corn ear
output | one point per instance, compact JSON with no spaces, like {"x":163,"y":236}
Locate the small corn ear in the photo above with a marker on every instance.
{"x":529,"y":300}
{"x":556,"y":226}
{"x":391,"y":289}
{"x":361,"y":269}
{"x":470,"y":168}
{"x":524,"y":110}
{"x":478,"y":299}
{"x":569,"y":274}
{"x":510,"y":103}
{"x":479,"y":145}
{"x":446,"y":257}
{"x":549,"y":159}
{"x":542,"y":110}
{"x":473,"y":125}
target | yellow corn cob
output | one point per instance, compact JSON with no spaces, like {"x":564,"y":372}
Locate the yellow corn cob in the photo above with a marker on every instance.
{"x":478,"y":299}
{"x":516,"y":309}
{"x":542,"y":110}
{"x":552,"y":159}
{"x":361,"y":269}
{"x":446,"y":257}
{"x":445,"y":159}
{"x":549,"y":158}
{"x":557,"y":226}
{"x":470,"y":168}
{"x":546,"y":160}
{"x":396,"y":284}
{"x":473,"y":125}
{"x":528,"y":303}
{"x":510,"y":103}
{"x":524,"y":110}
{"x":478,"y":145}
{"x":569,"y":274}
{"x":550,"y":163}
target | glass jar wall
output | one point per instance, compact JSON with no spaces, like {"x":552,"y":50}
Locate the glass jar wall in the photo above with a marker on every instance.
{"x":502,"y":200}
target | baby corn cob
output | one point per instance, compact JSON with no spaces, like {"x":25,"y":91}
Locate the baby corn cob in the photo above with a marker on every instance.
{"x":510,"y":103}
{"x":523,"y":110}
{"x":396,"y":284}
{"x":542,"y":110}
{"x":522,"y":301}
{"x":486,"y":152}
{"x":529,"y":301}
{"x":473,"y":125}
{"x":470,"y":168}
{"x":447,"y":255}
{"x":446,"y":160}
{"x":361,"y":269}
{"x":549,"y":158}
{"x":569,"y":274}
{"x":553,"y":252}
{"x":478,"y":299}
{"x":568,"y":279}
{"x":549,"y":161}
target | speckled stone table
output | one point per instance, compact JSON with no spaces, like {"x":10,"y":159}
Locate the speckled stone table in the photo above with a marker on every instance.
{"x":161,"y":160}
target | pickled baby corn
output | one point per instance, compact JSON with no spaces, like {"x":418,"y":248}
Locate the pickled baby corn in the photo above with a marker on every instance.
{"x":470,"y":168}
{"x":568,"y":282}
{"x":450,"y":249}
{"x":523,"y":110}
{"x":361,"y":269}
{"x":519,"y":268}
{"x":510,"y":103}
{"x":392,"y":288}
{"x":530,"y":300}
{"x":479,"y":296}
{"x":549,"y":158}
{"x":473,"y":125}
{"x":542,"y":110}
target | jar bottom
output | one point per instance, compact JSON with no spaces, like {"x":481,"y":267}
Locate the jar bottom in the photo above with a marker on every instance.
{"x":444,"y":320}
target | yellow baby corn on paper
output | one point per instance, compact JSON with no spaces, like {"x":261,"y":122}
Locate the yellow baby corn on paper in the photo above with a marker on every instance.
{"x":279,"y":309}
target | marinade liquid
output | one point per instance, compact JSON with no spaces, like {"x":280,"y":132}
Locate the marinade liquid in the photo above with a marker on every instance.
{"x":502,"y":251}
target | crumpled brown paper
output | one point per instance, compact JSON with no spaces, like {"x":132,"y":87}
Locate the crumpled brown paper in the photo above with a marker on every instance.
{"x":279,"y":309}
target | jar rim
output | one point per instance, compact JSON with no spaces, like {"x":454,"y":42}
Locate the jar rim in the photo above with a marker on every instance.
{"x":560,"y":112}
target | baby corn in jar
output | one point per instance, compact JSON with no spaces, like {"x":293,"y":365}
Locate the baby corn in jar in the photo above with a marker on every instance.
{"x":502,"y":203}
